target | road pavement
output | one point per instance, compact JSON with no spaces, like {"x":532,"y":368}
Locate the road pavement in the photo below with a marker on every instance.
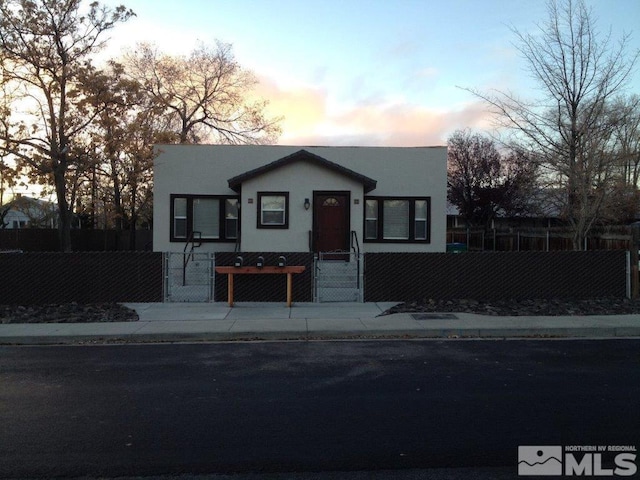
{"x":260,"y":407}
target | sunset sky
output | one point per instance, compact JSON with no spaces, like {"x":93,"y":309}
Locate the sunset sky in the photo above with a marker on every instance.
{"x":367,"y":72}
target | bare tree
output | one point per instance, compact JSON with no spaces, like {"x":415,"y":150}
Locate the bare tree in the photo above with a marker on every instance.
{"x":483,"y":182}
{"x":206,"y":95}
{"x":128,"y":123}
{"x":625,"y":113}
{"x":48,"y":44}
{"x":623,"y":117}
{"x":8,"y":173}
{"x":579,"y":72}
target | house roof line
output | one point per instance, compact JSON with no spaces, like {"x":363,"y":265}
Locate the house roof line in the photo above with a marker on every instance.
{"x":337,"y":147}
{"x":302,"y":155}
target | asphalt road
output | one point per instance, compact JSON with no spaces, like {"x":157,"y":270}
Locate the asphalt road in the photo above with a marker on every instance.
{"x":127,"y":410}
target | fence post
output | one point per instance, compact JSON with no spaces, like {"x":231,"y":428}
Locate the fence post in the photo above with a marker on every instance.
{"x":165,"y":276}
{"x":548,"y":240}
{"x":635,"y":244}
{"x":212,"y":276}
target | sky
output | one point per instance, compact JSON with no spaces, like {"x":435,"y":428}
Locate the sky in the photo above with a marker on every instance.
{"x":367,"y":72}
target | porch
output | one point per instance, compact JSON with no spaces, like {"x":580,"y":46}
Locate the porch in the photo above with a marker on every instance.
{"x":326,"y":277}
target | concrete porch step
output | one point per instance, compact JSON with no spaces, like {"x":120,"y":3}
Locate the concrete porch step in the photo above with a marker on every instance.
{"x":339,"y":278}
{"x":338,"y":294}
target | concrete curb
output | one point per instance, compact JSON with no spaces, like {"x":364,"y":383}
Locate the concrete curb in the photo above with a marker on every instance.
{"x":449,"y":334}
{"x":173,"y":323}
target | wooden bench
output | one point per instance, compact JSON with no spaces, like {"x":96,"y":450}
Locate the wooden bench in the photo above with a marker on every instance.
{"x":231,"y":271}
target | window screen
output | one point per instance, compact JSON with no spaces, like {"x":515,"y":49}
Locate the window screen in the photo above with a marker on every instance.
{"x":396,"y":220}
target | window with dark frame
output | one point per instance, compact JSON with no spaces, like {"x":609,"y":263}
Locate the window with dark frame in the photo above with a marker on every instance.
{"x":397,"y":219}
{"x":214,"y":216}
{"x":231,"y":211}
{"x":371,"y":219}
{"x":206,"y":217}
{"x":179,"y":205}
{"x":421,"y":220}
{"x":273,"y":210}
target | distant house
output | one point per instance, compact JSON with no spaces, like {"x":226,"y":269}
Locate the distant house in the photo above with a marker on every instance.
{"x":27,"y":212}
{"x":543,"y":219}
{"x":300,"y":199}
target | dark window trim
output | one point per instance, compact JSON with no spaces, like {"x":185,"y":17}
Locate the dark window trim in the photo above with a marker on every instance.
{"x":221,"y":218}
{"x":412,"y":220}
{"x":259,"y":223}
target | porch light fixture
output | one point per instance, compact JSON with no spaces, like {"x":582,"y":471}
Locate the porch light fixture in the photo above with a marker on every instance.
{"x":307,"y":204}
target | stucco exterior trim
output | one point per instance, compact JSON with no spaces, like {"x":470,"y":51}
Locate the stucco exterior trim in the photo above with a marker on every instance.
{"x":302,"y":156}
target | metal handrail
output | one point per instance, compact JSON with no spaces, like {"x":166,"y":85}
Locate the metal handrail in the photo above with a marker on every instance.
{"x":356,"y":247}
{"x":187,"y":256}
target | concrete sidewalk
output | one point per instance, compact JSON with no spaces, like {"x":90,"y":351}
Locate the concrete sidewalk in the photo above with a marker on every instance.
{"x":175,"y":322}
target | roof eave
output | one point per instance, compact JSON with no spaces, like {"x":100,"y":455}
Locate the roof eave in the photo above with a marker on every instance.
{"x":235,"y":183}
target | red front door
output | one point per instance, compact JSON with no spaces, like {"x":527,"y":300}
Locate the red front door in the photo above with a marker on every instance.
{"x":331,"y":222}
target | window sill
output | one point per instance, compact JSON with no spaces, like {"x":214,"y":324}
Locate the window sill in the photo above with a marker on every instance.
{"x":396,"y":241}
{"x":274,"y":227}
{"x":204,"y":240}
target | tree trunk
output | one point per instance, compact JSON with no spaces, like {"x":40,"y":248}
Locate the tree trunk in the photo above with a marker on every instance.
{"x":64,"y":220}
{"x":132,"y":236}
{"x":132,"y":231}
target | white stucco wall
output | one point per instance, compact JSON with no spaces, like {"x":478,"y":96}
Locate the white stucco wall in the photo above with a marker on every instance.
{"x":300,"y":180}
{"x":205,"y":170}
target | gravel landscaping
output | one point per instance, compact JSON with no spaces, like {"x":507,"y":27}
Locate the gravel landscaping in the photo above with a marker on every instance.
{"x":113,"y":312}
{"x":598,"y":306}
{"x":67,"y":313}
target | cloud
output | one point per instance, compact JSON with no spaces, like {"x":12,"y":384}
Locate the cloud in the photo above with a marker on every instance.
{"x":410,"y":125}
{"x":428,"y":72}
{"x":302,"y":107}
{"x":311,"y":118}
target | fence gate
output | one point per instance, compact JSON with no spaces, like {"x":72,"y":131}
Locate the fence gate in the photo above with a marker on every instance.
{"x":189,"y":277}
{"x":338,"y":277}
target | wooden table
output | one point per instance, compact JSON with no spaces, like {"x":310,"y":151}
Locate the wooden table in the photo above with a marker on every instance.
{"x":231,"y":271}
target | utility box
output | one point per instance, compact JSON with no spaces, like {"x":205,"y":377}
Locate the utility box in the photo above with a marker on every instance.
{"x":456,"y":247}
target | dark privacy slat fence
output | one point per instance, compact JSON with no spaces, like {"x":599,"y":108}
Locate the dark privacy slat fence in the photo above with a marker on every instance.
{"x":46,"y":240}
{"x":495,"y":275}
{"x":84,"y":277}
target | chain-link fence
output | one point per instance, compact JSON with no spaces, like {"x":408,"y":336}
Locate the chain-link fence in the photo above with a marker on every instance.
{"x":189,"y":277}
{"x":82,"y":277}
{"x":82,"y":240}
{"x":41,"y":278}
{"x":338,"y":277}
{"x":538,"y":239}
{"x":496,"y":275}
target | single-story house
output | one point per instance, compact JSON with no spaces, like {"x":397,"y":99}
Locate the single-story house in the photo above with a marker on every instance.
{"x":27,"y":212}
{"x":255,"y":198}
